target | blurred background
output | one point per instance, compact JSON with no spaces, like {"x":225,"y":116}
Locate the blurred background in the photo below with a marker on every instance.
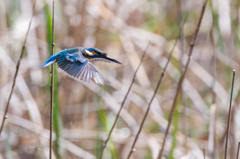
{"x":85,"y":112}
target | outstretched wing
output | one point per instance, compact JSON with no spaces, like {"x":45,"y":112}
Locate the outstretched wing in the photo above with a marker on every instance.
{"x":83,"y":70}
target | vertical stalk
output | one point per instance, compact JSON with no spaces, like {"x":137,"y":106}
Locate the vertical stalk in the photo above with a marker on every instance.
{"x":192,"y":44}
{"x":51,"y":88}
{"x":238,"y":150}
{"x":17,"y":69}
{"x":229,"y":116}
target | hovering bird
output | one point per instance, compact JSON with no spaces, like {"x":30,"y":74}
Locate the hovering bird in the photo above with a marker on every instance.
{"x":78,"y":63}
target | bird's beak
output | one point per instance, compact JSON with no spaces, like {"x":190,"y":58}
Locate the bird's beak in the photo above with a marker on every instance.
{"x":112,"y":59}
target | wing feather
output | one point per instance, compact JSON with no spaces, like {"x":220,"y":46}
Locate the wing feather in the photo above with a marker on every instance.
{"x":98,"y":79}
{"x":88,"y":76}
{"x":82,"y":74}
{"x":83,"y":70}
{"x":85,"y":75}
{"x":80,"y":71}
{"x":73,"y":69}
{"x":69,"y":68}
{"x":62,"y":64}
{"x":76,"y":71}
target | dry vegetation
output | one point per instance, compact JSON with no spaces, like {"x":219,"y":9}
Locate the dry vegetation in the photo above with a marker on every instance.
{"x":84,"y":112}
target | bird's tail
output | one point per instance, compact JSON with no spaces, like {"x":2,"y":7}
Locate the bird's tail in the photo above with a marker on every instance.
{"x":51,"y":60}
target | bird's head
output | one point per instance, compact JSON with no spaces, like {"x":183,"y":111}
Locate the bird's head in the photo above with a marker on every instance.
{"x":95,"y":53}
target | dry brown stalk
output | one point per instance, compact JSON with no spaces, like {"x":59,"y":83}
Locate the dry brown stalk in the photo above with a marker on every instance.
{"x":17,"y":69}
{"x":155,"y":91}
{"x":229,"y":115}
{"x":238,"y":150}
{"x":51,"y":88}
{"x":114,"y":124}
{"x":192,"y":44}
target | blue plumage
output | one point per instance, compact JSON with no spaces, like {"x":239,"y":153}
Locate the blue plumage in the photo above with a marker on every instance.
{"x":77,"y":62}
{"x":51,"y":60}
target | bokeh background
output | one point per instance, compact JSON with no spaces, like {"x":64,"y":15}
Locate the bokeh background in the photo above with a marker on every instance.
{"x":84,"y":112}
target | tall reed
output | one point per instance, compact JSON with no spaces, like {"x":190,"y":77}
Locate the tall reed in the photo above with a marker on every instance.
{"x":17,"y":69}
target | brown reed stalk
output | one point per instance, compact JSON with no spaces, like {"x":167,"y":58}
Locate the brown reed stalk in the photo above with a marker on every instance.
{"x":155,"y":91}
{"x":51,"y":88}
{"x":238,"y":150}
{"x":192,"y":44}
{"x":229,"y":115}
{"x":130,"y":87}
{"x":17,"y":69}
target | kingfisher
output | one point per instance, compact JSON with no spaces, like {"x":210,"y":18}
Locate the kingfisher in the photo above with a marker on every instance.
{"x":77,"y":62}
